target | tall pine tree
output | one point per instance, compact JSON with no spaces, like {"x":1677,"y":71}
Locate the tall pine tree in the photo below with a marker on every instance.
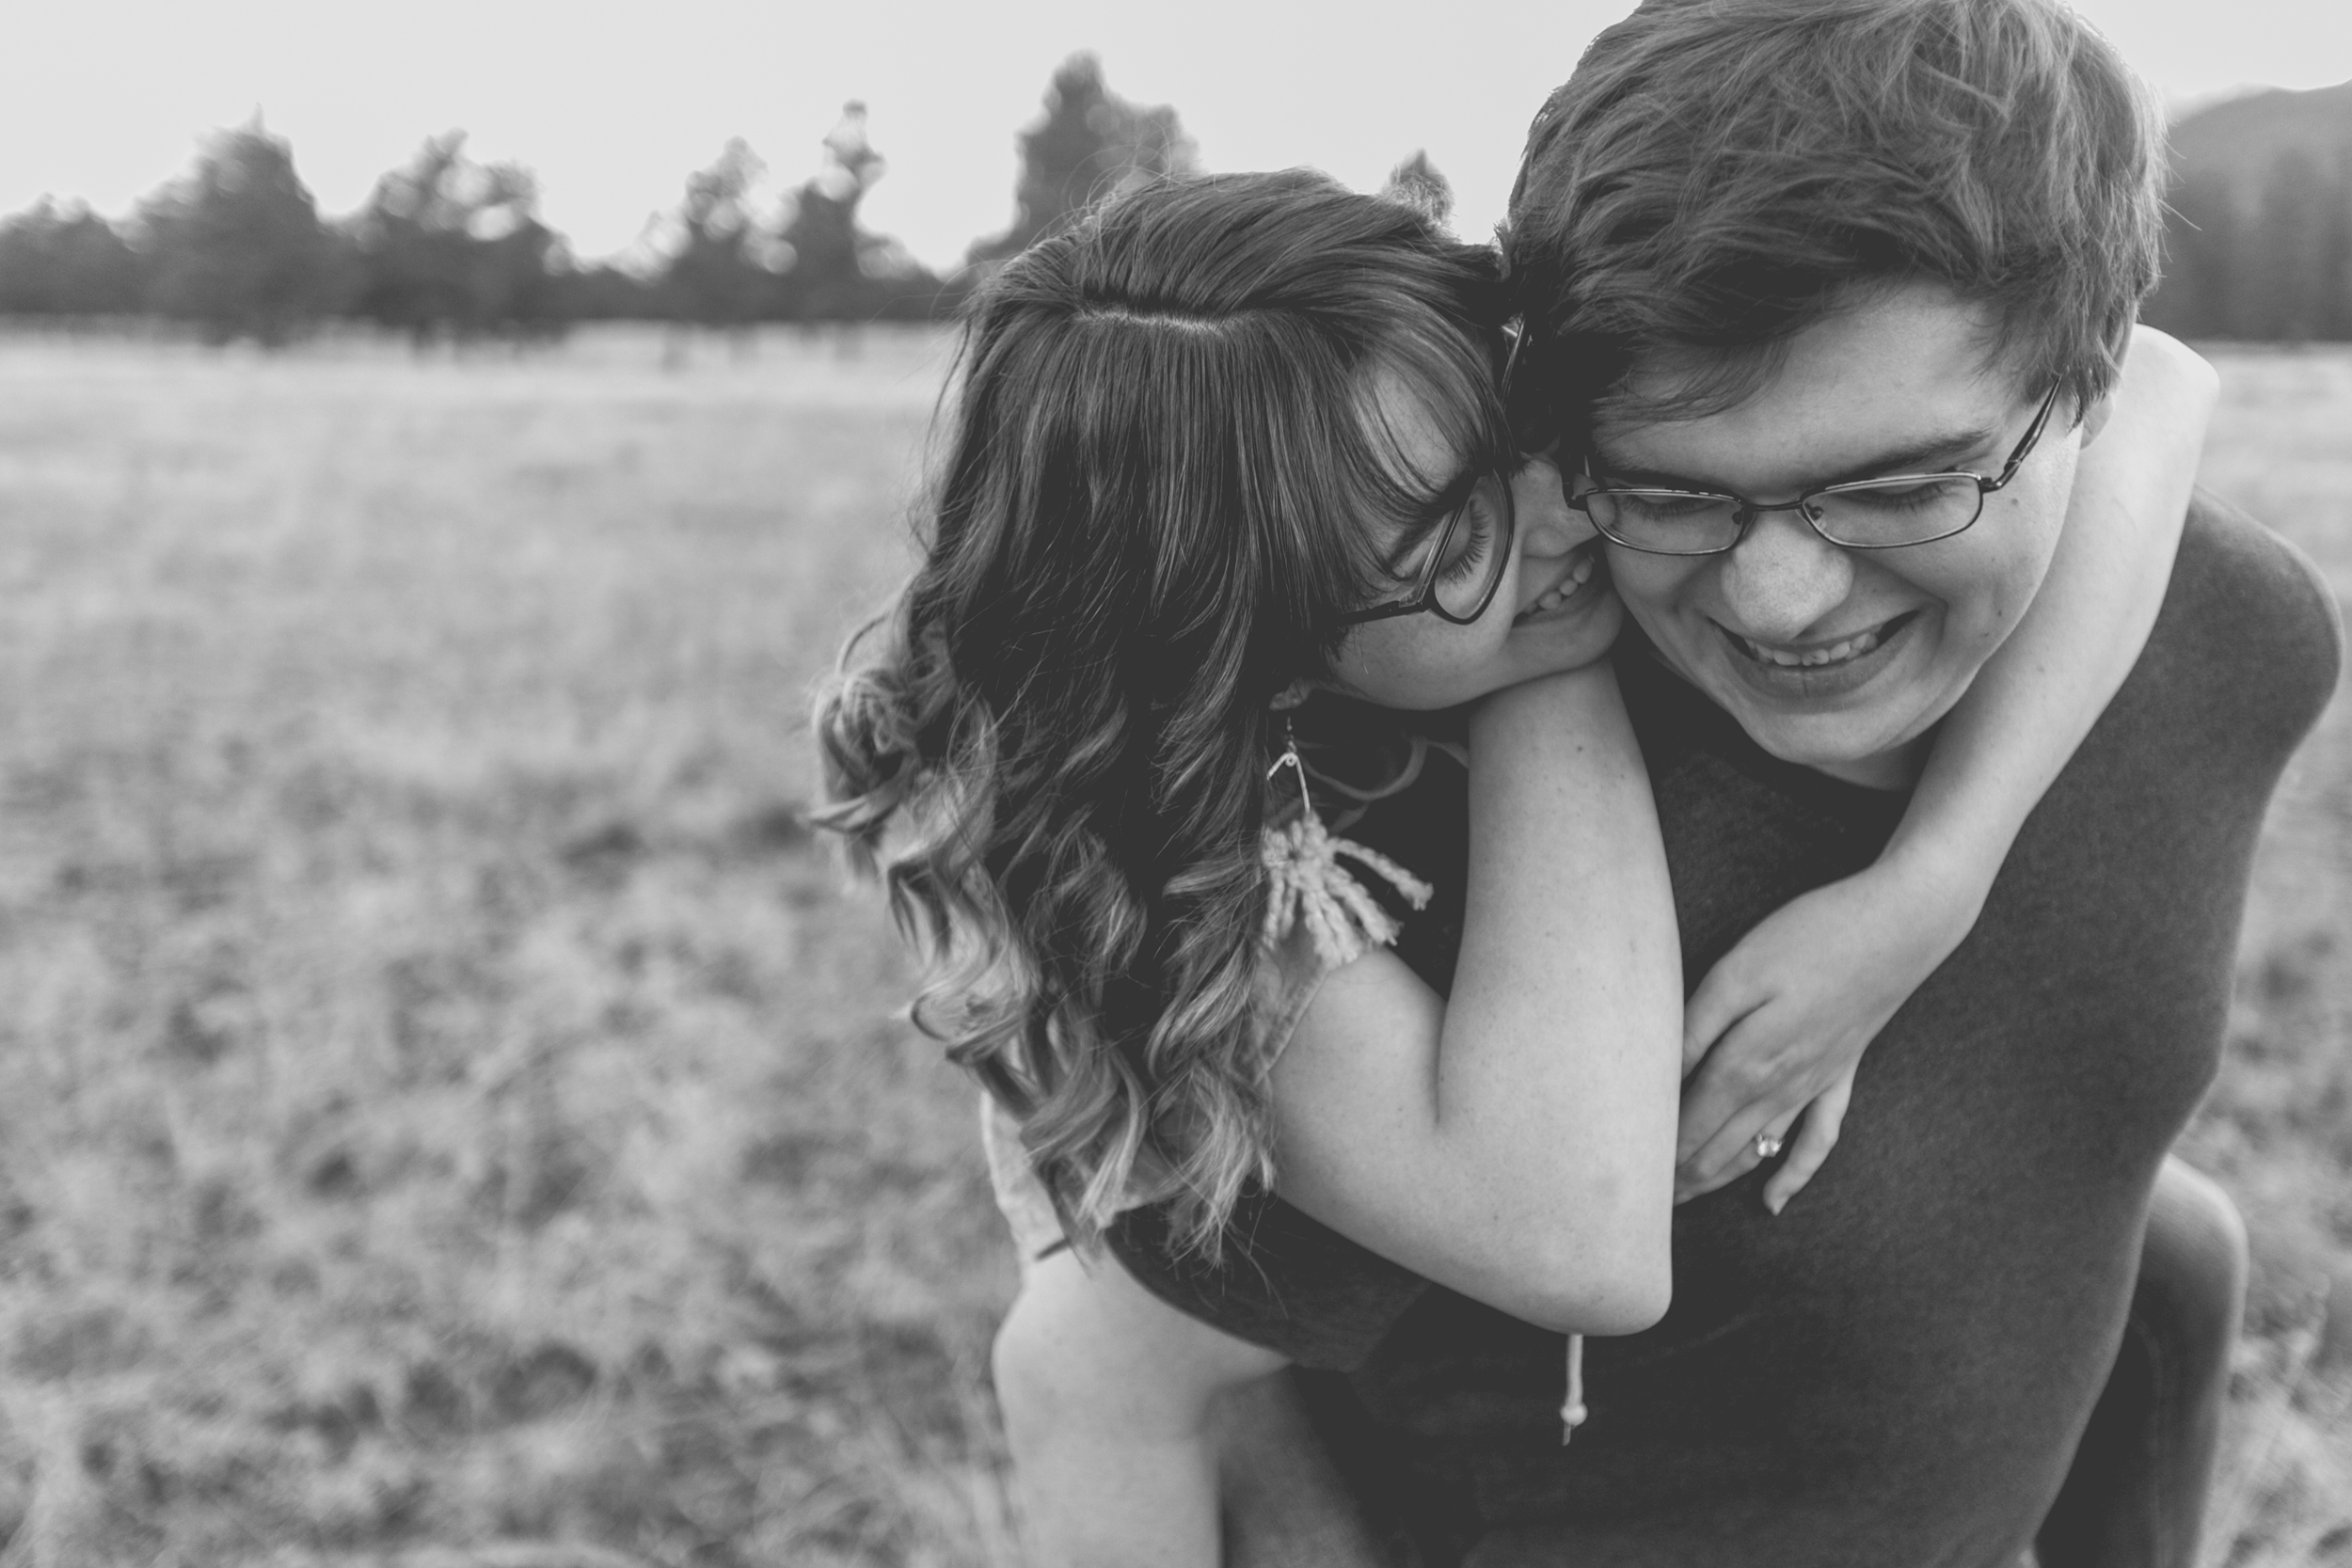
{"x":447,"y":246}
{"x":237,"y":246}
{"x":833,"y":268}
{"x":717,"y":275}
{"x":1091,"y":143}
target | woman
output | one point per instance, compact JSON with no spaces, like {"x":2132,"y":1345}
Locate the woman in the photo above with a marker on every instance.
{"x":1227,"y":440}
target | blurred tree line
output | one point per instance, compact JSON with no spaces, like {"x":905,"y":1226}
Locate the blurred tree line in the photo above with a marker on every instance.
{"x":447,"y":247}
{"x":2258,"y":241}
{"x":2259,"y":244}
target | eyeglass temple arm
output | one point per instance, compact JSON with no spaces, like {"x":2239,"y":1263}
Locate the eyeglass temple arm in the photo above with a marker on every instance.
{"x":2024,"y":442}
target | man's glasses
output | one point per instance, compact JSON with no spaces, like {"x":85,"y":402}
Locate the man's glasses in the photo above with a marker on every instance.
{"x":1469,"y":549}
{"x":1868,"y":514}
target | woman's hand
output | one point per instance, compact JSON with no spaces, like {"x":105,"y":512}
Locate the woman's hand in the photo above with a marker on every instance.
{"x":1780,"y":1023}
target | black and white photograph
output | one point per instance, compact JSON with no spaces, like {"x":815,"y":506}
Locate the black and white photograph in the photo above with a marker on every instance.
{"x":1247,"y":786}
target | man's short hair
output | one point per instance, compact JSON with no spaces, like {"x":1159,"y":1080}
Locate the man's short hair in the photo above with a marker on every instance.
{"x":1720,"y":174}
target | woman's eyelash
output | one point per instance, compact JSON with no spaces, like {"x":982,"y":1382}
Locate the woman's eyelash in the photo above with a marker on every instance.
{"x":1474,"y":555}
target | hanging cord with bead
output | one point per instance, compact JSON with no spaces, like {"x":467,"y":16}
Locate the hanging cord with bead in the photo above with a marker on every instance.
{"x":1572,"y":1410}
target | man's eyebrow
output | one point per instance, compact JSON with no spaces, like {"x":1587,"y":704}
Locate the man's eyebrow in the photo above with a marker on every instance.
{"x":1934,"y":453}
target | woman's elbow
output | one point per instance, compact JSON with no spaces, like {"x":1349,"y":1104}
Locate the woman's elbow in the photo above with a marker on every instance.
{"x":1632,"y":1301}
{"x":1621,"y":1285}
{"x":1620,"y":1262}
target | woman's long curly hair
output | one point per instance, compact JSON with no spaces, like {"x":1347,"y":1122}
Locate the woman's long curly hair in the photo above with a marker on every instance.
{"x":1169,"y":467}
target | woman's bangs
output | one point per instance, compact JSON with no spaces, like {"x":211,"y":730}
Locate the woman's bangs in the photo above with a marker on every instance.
{"x":1447,"y":380}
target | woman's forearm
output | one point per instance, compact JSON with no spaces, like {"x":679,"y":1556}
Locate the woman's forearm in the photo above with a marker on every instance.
{"x":2038,"y":697}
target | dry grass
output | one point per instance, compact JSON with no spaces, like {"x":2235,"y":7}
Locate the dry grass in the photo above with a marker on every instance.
{"x":453,"y":1107}
{"x":451,"y":1101}
{"x":2277,"y":1129}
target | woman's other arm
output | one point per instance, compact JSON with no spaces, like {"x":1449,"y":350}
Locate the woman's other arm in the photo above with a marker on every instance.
{"x":1781,"y":1023}
{"x":1515,"y":1145}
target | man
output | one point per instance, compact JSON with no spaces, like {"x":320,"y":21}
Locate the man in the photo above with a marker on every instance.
{"x":1769,"y":247}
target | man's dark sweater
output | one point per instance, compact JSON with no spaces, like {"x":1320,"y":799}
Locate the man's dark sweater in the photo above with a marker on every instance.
{"x":1894,"y":1372}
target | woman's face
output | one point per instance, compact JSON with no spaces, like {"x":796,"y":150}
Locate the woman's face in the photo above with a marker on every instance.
{"x":1553,"y":610}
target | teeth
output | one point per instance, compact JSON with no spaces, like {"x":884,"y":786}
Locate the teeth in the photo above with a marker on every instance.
{"x":1553,"y":597}
{"x":1791,"y":658}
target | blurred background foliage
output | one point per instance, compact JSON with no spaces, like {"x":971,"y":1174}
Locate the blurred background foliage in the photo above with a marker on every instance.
{"x":448,"y":249}
{"x":2258,"y":241}
{"x":2258,"y":246}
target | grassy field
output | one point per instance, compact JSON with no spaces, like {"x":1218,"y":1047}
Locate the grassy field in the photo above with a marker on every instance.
{"x":2278,"y":1128}
{"x":456,"y":1117}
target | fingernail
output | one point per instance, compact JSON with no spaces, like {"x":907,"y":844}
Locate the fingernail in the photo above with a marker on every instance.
{"x":1775,"y":1204}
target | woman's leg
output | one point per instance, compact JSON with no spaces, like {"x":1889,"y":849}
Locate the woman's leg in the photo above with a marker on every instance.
{"x":2136,"y":1494}
{"x":1271,"y":1492}
{"x":1286,"y":1505}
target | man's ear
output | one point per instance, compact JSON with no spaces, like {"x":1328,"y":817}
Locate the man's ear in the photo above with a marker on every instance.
{"x":2095,"y":418}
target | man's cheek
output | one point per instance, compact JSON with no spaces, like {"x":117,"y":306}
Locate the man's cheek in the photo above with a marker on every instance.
{"x":1651,"y":588}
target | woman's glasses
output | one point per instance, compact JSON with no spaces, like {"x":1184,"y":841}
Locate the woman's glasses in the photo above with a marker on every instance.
{"x":1465,"y":566}
{"x":1468,"y":551}
{"x":1868,"y":514}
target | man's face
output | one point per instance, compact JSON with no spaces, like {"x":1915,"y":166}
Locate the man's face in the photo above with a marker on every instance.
{"x":1843,"y":659}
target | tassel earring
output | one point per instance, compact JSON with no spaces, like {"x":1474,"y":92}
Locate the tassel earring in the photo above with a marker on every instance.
{"x":1307,"y":885}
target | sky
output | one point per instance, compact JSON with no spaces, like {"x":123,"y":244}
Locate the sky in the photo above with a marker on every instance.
{"x":612,"y":107}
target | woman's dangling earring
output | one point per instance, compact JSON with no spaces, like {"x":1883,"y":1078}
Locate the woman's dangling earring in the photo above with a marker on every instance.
{"x":1305,"y":883}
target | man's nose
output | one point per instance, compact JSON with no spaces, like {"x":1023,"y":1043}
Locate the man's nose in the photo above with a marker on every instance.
{"x":1782,"y":579}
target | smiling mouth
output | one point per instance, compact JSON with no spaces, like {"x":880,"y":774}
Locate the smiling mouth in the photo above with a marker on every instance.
{"x":1582,"y":568}
{"x":1819,"y":656}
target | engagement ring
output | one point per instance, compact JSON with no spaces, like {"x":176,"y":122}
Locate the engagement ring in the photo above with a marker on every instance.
{"x":1766,"y":1145}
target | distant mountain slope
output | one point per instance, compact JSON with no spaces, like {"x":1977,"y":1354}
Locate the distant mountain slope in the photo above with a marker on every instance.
{"x":2244,"y":134}
{"x":2259,"y":244}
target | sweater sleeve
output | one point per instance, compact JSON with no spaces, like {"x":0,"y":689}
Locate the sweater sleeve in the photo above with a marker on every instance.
{"x":1285,"y":1281}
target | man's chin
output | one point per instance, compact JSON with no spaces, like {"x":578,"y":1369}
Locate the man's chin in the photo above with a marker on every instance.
{"x":1865,"y":720}
{"x":1847,"y":736}
{"x":1861,"y":748}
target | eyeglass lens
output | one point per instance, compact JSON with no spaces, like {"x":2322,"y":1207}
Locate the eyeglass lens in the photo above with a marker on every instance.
{"x":1871,"y":515}
{"x":1472,"y":554}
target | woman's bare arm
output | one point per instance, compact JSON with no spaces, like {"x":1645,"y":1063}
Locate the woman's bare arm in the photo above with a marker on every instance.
{"x":1515,"y":1145}
{"x":2036,"y":699}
